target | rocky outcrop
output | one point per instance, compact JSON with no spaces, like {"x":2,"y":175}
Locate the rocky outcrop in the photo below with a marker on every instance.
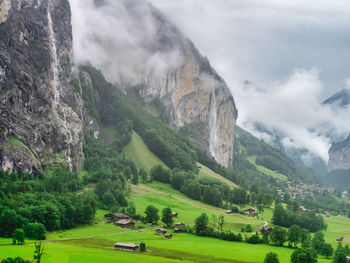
{"x":40,"y":111}
{"x":151,"y":58}
{"x":339,"y":156}
{"x":193,"y":93}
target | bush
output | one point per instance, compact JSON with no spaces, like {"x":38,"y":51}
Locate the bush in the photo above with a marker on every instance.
{"x":271,"y":258}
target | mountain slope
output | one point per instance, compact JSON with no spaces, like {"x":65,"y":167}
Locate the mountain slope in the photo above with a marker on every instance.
{"x":339,"y":153}
{"x":340,"y":99}
{"x":138,"y":151}
{"x":270,"y":161}
{"x":153,"y":60}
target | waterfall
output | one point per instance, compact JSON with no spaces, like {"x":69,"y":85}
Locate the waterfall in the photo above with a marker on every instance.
{"x":55,"y":62}
{"x":213,"y":121}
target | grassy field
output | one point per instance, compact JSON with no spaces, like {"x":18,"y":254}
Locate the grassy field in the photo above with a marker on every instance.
{"x":265,"y":170}
{"x":182,"y":248}
{"x":138,"y":151}
{"x":93,"y":243}
{"x":206,"y":172}
{"x":162,"y":195}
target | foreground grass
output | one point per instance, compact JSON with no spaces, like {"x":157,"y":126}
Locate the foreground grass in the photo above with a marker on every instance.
{"x":183,"y":247}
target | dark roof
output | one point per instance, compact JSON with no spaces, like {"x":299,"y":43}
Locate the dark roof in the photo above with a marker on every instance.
{"x":129,"y":245}
{"x":120,"y":215}
{"x":124,"y":221}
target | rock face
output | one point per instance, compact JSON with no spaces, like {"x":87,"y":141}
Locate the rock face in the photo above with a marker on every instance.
{"x":339,"y":156}
{"x":40,"y":112}
{"x":151,"y":57}
{"x":193,"y":93}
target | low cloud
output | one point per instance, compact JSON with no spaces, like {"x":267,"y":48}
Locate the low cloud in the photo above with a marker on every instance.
{"x":291,"y":108}
{"x":119,"y":37}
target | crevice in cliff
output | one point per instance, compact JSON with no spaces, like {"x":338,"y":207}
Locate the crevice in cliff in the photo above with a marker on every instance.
{"x":213,"y":122}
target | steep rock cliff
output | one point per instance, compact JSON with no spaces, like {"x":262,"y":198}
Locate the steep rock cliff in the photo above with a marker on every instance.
{"x":40,"y":112}
{"x":144,"y":53}
{"x":339,"y":156}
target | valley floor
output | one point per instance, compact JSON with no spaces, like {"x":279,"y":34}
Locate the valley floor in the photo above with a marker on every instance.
{"x":93,"y":243}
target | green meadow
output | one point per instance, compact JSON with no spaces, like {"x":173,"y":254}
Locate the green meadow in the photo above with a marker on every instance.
{"x":93,"y":243}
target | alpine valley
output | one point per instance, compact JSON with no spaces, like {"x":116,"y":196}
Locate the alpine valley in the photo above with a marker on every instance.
{"x":119,"y":143}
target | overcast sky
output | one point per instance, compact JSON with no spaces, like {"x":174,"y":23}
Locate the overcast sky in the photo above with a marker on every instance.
{"x":264,"y":41}
{"x":295,"y":53}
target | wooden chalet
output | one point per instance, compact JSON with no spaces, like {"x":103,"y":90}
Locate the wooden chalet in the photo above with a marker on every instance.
{"x":126,"y":246}
{"x":161,"y":231}
{"x":249,"y":211}
{"x":125,"y":223}
{"x":177,"y":230}
{"x":179,"y":225}
{"x":121,"y":216}
{"x":228,"y":211}
{"x":168,"y":236}
{"x":174,"y":214}
{"x":265,"y":228}
{"x":339,"y":239}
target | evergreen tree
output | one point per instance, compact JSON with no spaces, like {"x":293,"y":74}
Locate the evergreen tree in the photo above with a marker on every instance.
{"x":271,"y":258}
{"x":278,"y":236}
{"x":294,"y":235}
{"x":18,"y":236}
{"x":318,"y":241}
{"x":167,"y":217}
{"x":327,"y":250}
{"x":152,"y":214}
{"x":201,"y":224}
{"x":304,"y":255}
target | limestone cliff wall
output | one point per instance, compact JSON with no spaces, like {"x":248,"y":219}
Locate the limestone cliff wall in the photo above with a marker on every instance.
{"x":40,"y":112}
{"x":151,"y":54}
{"x":339,"y":156}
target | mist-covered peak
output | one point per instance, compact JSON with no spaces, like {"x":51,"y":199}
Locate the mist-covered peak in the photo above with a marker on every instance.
{"x":341,"y":98}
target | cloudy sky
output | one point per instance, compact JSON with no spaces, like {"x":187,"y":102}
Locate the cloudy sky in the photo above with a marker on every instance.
{"x":295,"y":53}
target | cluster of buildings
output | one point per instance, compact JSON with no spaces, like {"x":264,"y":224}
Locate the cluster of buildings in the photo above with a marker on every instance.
{"x":120,"y":219}
{"x":301,"y":190}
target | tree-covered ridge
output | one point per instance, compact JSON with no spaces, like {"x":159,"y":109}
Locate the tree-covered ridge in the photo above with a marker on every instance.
{"x":271,"y":158}
{"x":38,"y":204}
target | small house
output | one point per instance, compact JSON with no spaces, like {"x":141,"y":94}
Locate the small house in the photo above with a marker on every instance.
{"x":149,"y":181}
{"x":125,"y":223}
{"x":265,"y":228}
{"x":339,"y":239}
{"x":161,"y":231}
{"x":327,"y":214}
{"x":174,"y":214}
{"x":120,"y":216}
{"x":228,"y":211}
{"x":126,"y":246}
{"x":177,"y":230}
{"x":179,"y":225}
{"x":168,"y":236}
{"x":249,"y":211}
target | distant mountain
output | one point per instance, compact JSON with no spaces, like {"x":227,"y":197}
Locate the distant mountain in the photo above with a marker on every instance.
{"x":301,"y":157}
{"x":341,"y":98}
{"x":339,"y":153}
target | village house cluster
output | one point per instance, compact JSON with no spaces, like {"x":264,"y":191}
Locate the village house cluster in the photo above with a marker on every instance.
{"x":301,"y":190}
